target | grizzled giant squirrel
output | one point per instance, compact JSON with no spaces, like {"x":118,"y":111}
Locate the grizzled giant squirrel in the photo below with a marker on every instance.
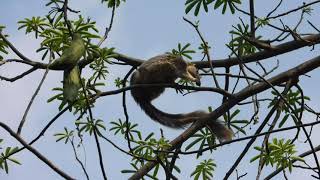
{"x":166,"y":69}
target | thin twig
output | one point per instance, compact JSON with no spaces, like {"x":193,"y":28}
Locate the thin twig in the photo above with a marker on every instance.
{"x":108,"y":29}
{"x":206,"y":50}
{"x":293,"y":10}
{"x":94,"y":130}
{"x":13,"y":48}
{"x":124,"y":81}
{"x":78,"y":160}
{"x":266,"y":138}
{"x":24,"y":117}
{"x":271,"y":12}
{"x":32,"y":69}
{"x":65,"y":16}
{"x":176,"y":86}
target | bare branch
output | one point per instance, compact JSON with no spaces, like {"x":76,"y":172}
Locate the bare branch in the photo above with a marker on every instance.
{"x":206,"y":50}
{"x":23,"y":120}
{"x":108,"y":29}
{"x":35,"y":152}
{"x":19,"y":76}
{"x":252,"y":24}
{"x":294,"y":10}
{"x":13,"y":48}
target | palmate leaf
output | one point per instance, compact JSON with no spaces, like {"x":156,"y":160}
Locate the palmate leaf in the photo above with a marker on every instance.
{"x":35,"y":24}
{"x":183,"y":51}
{"x":5,"y":157}
{"x":112,"y":3}
{"x":205,"y":168}
{"x":226,"y":3}
{"x":3,"y":45}
{"x":204,"y":138}
{"x":280,"y":152}
{"x":66,"y":135}
{"x":190,"y":4}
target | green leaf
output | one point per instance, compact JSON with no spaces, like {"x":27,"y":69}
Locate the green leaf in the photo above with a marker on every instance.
{"x":196,"y":11}
{"x":236,"y":112}
{"x":190,"y":6}
{"x":284,"y":119}
{"x":254,"y":158}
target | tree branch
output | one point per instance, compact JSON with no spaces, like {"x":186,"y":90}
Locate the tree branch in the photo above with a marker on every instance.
{"x":35,"y":152}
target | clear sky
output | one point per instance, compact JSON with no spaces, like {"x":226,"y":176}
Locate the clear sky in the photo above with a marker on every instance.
{"x":141,"y":29}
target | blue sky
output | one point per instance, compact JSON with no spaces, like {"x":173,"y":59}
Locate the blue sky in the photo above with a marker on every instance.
{"x":142,"y":29}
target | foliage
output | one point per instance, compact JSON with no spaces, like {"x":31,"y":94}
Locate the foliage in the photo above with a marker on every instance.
{"x":190,"y":4}
{"x":183,"y":51}
{"x":55,"y":35}
{"x":238,"y":43}
{"x":205,"y":168}
{"x":112,"y":3}
{"x":235,"y":123}
{"x":203,"y":138}
{"x":121,"y":127}
{"x":6,"y":157}
{"x":90,"y":126}
{"x":279,"y":152}
{"x":66,"y":135}
{"x":144,"y":149}
{"x":292,"y":98}
{"x":3,"y":45}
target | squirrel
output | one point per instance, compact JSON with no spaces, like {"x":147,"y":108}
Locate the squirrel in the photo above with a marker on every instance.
{"x":167,"y":68}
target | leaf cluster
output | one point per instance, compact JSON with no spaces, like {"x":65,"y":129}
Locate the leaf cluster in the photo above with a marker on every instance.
{"x":196,"y":5}
{"x":204,"y":169}
{"x":6,"y":157}
{"x":3,"y":45}
{"x":293,"y":98}
{"x":280,"y":153}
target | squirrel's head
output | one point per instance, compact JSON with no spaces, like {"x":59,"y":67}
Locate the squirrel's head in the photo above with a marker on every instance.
{"x":193,"y":74}
{"x":185,"y":70}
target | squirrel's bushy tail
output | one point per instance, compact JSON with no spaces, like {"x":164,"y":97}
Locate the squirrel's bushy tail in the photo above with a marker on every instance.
{"x":180,"y":120}
{"x":220,"y":130}
{"x":170,"y":120}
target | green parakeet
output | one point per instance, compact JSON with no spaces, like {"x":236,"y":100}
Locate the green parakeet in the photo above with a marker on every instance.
{"x":71,"y":55}
{"x":71,"y":84}
{"x":68,"y":61}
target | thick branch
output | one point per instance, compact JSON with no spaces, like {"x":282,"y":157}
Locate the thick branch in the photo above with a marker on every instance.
{"x":246,"y":138}
{"x":233,"y":61}
{"x":228,"y":62}
{"x":262,"y":55}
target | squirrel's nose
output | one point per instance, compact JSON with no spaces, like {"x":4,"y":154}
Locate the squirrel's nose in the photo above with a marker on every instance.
{"x":198,"y":82}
